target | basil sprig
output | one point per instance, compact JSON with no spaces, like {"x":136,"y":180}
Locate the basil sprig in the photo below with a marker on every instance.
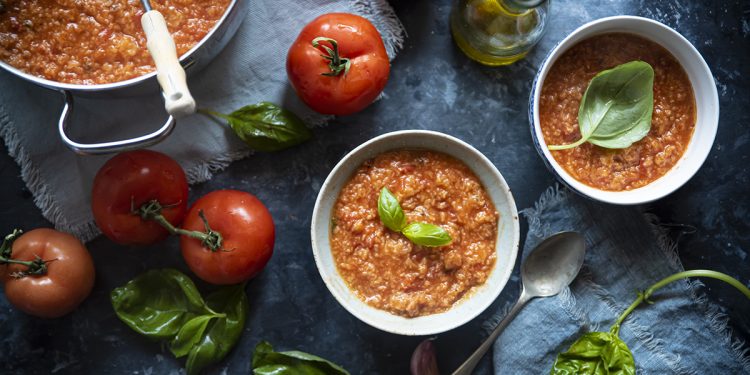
{"x":268,"y":362}
{"x":593,"y":353}
{"x":165,"y":305}
{"x":616,"y":109}
{"x":265,"y":126}
{"x":392,"y":216}
{"x":604,"y":352}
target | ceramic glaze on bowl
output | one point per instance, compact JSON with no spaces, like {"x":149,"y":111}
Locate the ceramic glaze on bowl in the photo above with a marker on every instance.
{"x":706,"y":101}
{"x":476,"y":300}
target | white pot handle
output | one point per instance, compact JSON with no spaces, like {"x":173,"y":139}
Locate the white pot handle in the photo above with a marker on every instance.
{"x":169,"y":72}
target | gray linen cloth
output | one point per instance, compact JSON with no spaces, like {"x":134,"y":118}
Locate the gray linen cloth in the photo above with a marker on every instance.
{"x":249,"y":70}
{"x":681,"y":333}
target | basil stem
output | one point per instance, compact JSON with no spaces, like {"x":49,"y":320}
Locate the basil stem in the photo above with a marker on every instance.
{"x":678,"y":276}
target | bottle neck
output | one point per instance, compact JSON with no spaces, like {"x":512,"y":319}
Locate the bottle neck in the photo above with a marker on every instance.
{"x":520,"y":6}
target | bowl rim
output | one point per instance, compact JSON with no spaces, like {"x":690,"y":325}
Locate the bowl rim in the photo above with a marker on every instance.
{"x":699,"y":151}
{"x":503,"y":278}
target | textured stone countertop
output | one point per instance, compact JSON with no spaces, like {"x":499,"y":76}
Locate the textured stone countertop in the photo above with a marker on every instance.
{"x":432,"y":86}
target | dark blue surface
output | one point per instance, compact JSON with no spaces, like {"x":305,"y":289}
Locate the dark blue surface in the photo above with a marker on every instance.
{"x":432,"y":86}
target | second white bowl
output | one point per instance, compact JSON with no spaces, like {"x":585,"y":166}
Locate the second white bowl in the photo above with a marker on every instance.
{"x":706,"y":101}
{"x":506,"y":245}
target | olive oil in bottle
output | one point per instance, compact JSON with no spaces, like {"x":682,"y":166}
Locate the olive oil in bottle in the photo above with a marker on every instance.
{"x":498,"y":32}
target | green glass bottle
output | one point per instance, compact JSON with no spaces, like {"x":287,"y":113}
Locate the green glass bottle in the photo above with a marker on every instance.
{"x":498,"y":32}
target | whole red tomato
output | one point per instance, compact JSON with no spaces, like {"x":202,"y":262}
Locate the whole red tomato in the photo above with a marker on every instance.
{"x":67,"y":282}
{"x":326,"y":84}
{"x":130,"y":180}
{"x":247,"y":232}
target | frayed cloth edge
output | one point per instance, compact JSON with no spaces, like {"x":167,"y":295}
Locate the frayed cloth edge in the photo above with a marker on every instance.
{"x":35,"y":183}
{"x":382,"y":14}
{"x":717,"y":321}
{"x":554,"y":194}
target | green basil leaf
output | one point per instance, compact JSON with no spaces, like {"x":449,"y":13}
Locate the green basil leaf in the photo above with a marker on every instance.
{"x":222,"y":333}
{"x":595,"y":353}
{"x":390,"y":211}
{"x":189,"y":335}
{"x":625,"y":139}
{"x":616,"y":108}
{"x":266,"y":126}
{"x":268,"y":362}
{"x":427,"y":234}
{"x":158,"y":303}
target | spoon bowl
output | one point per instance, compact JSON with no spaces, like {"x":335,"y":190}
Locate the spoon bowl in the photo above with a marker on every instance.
{"x":546,"y":271}
{"x":553,"y":264}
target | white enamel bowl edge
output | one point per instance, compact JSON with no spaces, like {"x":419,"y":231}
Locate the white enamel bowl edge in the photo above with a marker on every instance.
{"x":506,"y":246}
{"x":706,"y":100}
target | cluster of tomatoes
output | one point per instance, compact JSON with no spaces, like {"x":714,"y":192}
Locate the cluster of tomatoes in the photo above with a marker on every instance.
{"x":139,"y":198}
{"x":131,"y":185}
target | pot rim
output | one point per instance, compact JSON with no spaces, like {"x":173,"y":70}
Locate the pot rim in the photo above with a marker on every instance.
{"x":120,"y":84}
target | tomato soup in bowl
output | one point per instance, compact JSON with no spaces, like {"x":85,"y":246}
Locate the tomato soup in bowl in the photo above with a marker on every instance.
{"x":684,"y":116}
{"x":381,"y":276}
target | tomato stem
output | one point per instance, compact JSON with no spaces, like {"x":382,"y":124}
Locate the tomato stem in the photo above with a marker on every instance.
{"x":151,"y":210}
{"x":644,"y":296}
{"x":336,"y":63}
{"x":38,"y":266}
{"x":7,"y":247}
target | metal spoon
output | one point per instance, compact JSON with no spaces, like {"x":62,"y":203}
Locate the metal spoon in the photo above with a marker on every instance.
{"x":549,"y":268}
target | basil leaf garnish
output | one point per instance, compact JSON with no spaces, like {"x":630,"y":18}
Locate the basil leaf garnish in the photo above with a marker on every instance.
{"x":268,"y":362}
{"x":392,"y":216}
{"x":222,"y":333}
{"x":427,"y":234}
{"x":390,"y":211}
{"x":158,"y":303}
{"x":596,"y":353}
{"x":616,"y":109}
{"x":265,"y":126}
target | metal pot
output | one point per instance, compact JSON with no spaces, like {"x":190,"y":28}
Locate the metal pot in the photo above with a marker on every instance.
{"x":194,"y":60}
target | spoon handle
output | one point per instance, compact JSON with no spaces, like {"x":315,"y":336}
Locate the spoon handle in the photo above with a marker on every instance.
{"x":468,"y":366}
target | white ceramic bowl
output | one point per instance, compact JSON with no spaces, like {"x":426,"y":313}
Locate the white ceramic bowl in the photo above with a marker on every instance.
{"x":506,"y":245}
{"x":706,"y":100}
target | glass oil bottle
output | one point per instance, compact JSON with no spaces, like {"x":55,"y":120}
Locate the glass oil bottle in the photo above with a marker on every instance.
{"x":498,"y":32}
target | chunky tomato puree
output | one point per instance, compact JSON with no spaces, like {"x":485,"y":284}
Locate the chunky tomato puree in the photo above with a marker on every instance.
{"x":95,"y":41}
{"x":672,"y":123}
{"x":383,"y":267}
